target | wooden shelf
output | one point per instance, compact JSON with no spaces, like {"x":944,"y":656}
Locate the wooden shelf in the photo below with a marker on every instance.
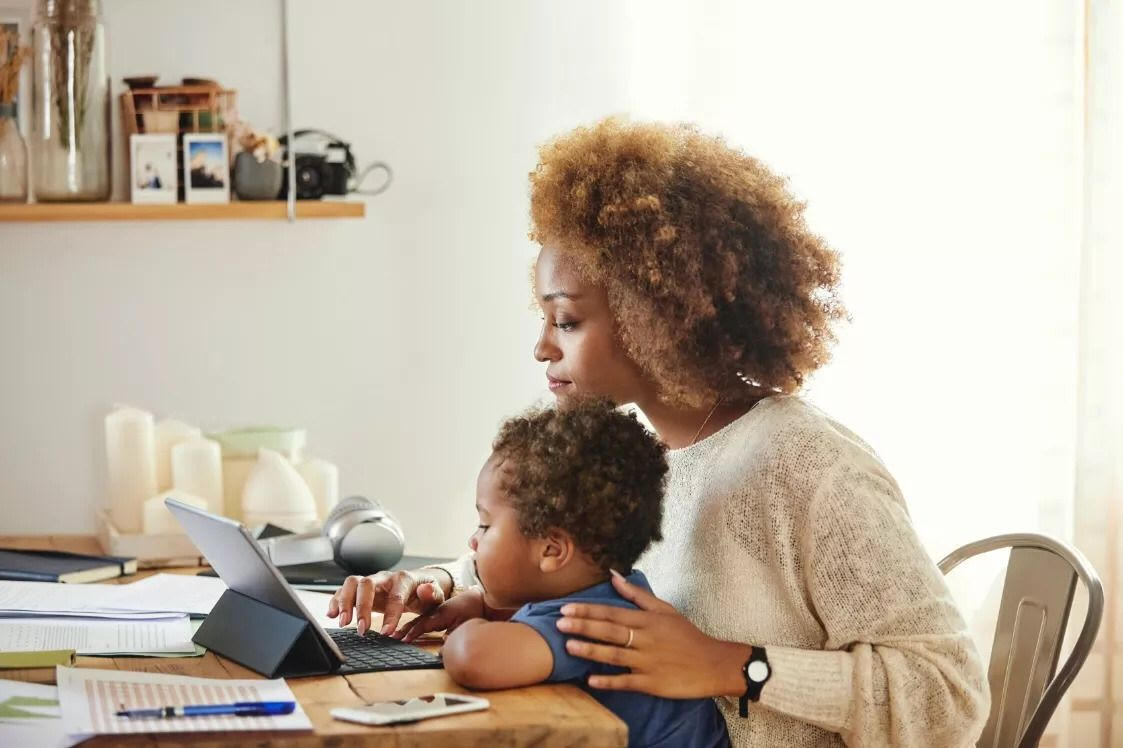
{"x":265,"y":209}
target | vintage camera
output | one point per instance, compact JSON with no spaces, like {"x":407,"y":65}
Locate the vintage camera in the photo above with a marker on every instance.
{"x":324,"y":165}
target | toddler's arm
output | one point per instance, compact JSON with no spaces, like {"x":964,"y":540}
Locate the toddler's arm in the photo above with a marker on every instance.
{"x":491,"y":654}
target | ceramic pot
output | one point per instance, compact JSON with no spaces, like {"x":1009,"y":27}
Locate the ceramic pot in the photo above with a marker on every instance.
{"x":256,"y":180}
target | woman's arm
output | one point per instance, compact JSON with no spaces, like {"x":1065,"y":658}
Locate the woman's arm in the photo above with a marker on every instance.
{"x":489,"y":655}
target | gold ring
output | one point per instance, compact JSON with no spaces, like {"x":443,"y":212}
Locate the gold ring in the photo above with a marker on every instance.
{"x":631,"y":635}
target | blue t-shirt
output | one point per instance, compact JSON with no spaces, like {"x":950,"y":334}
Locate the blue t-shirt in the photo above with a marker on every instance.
{"x":651,"y":720}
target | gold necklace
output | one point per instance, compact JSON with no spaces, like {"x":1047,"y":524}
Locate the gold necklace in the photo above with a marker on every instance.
{"x":708,"y":416}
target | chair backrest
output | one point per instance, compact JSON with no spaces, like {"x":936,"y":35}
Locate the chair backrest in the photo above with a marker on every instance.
{"x":1036,"y":600}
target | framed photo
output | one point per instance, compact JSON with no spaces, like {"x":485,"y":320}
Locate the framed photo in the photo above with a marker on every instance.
{"x":206,"y":168}
{"x":153,"y":173}
{"x":16,"y":19}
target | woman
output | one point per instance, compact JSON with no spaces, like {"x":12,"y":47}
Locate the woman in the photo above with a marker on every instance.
{"x":678,"y":274}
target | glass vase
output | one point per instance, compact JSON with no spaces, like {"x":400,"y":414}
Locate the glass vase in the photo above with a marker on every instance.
{"x":70,"y":102}
{"x":13,"y":158}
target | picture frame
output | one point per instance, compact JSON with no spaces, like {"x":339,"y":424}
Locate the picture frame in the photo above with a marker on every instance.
{"x":17,"y":18}
{"x":206,"y":168}
{"x":153,"y":174}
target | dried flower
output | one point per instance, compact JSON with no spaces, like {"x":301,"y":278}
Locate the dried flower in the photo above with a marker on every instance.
{"x":260,"y":143}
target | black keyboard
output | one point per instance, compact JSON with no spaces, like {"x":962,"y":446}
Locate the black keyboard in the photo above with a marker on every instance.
{"x":373,"y":652}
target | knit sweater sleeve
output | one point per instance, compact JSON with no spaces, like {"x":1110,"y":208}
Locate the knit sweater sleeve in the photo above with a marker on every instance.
{"x":898,"y":667}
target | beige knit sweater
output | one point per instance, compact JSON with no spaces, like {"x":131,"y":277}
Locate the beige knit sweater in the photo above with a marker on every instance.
{"x":784,"y":530}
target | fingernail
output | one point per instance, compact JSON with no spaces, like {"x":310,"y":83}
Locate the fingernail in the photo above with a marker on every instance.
{"x":564,"y":624}
{"x":615,"y":573}
{"x":567,"y":610}
{"x":362,"y":627}
{"x":387,"y":629}
{"x":572,"y":645}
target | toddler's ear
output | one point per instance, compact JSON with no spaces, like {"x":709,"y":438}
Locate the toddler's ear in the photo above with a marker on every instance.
{"x":556,"y":550}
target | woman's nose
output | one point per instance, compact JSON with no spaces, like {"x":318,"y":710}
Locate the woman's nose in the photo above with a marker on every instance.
{"x":544,"y":349}
{"x":473,"y":540}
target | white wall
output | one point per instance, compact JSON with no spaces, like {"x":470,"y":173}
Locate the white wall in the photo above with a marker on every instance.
{"x":935,"y":147}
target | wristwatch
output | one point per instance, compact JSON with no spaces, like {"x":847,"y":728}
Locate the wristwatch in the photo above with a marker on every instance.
{"x":757,"y":671}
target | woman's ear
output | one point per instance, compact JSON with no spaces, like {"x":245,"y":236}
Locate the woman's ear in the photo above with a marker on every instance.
{"x":556,"y":550}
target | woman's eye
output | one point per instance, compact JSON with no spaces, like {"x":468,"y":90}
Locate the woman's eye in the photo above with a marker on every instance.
{"x":565,"y":326}
{"x":482,"y":527}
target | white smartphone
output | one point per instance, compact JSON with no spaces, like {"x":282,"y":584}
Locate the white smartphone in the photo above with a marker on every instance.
{"x":411,"y":710}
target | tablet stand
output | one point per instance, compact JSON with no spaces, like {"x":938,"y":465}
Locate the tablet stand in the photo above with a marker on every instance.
{"x":265,"y":639}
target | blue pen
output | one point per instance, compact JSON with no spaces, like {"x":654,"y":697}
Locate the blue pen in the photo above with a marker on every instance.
{"x":240,"y":708}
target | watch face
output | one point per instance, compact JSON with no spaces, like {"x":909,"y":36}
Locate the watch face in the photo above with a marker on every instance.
{"x":758,"y":671}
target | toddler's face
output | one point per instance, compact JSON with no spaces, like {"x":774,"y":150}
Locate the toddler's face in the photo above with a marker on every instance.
{"x":505,"y":562}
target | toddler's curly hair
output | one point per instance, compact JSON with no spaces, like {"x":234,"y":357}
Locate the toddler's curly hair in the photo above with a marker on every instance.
{"x":587,"y":469}
{"x":710,"y":268}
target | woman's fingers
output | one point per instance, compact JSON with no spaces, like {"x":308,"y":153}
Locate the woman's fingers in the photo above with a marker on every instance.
{"x":344,"y":600}
{"x":610,"y":633}
{"x":402,"y":586}
{"x":623,"y":616}
{"x":601,"y":653}
{"x":429,"y":595}
{"x":637,"y":595}
{"x":623,"y":682}
{"x":364,"y":602}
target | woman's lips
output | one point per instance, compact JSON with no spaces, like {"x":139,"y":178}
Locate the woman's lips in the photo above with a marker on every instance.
{"x":556,"y":384}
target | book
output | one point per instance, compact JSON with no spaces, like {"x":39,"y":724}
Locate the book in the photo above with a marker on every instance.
{"x":34,"y":667}
{"x":59,"y":566}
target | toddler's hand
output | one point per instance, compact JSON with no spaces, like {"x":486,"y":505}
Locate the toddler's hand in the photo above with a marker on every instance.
{"x":464,"y":607}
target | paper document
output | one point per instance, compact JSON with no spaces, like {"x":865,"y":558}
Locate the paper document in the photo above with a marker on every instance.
{"x":182,"y":593}
{"x":30,"y":716}
{"x":89,"y":699}
{"x":94,"y":637}
{"x":52,"y":598}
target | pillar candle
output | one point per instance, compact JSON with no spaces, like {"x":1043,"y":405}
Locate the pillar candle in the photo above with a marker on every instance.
{"x":132,"y":466}
{"x":197,"y":470}
{"x":159,"y":521}
{"x":170,"y":432}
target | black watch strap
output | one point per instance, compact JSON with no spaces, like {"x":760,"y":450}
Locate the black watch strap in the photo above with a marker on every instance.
{"x":757,"y":671}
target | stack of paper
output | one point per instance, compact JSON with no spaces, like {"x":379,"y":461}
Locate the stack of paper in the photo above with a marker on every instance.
{"x":38,"y":616}
{"x":148,"y":617}
{"x":89,"y":700}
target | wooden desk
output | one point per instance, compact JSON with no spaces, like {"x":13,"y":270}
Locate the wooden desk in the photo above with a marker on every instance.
{"x":548,"y":715}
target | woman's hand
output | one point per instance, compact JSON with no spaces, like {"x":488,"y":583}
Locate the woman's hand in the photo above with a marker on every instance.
{"x":390,"y":592}
{"x":668,"y":655}
{"x":464,"y":607}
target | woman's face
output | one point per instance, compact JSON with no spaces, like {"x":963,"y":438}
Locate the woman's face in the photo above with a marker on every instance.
{"x":578,"y":342}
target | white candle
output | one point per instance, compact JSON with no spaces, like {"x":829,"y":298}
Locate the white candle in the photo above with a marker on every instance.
{"x":170,"y":432}
{"x":322,"y":478}
{"x":159,"y":521}
{"x":197,"y":470}
{"x":132,"y":465}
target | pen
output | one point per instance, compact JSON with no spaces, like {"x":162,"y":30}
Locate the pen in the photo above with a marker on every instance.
{"x":240,"y":708}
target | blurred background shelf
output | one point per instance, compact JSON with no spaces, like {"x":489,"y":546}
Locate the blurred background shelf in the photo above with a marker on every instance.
{"x":275,"y":209}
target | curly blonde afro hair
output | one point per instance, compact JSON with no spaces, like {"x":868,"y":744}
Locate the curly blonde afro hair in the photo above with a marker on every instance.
{"x":590,"y":470}
{"x":718,"y":286}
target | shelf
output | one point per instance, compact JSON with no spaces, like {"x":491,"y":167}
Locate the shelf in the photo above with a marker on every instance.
{"x":265,"y":209}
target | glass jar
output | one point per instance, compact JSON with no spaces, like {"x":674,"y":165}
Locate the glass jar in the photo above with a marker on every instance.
{"x":70,"y":102}
{"x":13,"y":157}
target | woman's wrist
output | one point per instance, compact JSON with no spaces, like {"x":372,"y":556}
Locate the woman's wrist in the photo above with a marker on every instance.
{"x":728,"y":659}
{"x":442,"y":577}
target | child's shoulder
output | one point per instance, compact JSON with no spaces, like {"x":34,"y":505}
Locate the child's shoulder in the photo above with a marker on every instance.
{"x":599,"y":594}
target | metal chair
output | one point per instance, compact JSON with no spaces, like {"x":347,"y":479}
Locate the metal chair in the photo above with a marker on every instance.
{"x":1036,"y":601}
